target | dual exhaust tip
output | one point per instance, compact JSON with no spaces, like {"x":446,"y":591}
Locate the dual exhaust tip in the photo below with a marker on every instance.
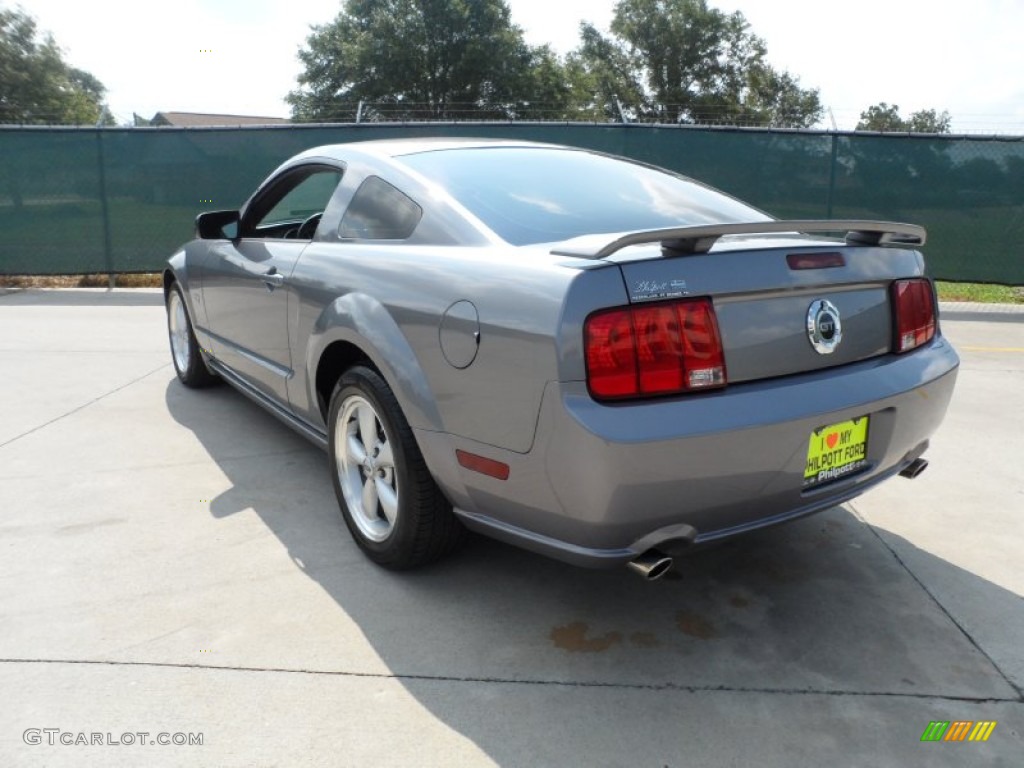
{"x":651,"y":565}
{"x":914,"y":468}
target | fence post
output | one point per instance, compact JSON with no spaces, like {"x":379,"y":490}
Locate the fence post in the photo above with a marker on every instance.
{"x":832,"y":174}
{"x":108,"y":256}
{"x":622,"y":113}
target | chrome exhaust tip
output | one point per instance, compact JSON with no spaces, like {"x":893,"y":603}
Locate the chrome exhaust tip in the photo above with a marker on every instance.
{"x":651,"y":565}
{"x":915,"y":468}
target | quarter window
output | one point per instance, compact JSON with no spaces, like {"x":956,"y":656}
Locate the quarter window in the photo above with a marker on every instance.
{"x":379,"y":211}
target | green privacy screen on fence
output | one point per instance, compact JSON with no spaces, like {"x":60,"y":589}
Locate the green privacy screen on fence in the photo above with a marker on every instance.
{"x":75,"y":201}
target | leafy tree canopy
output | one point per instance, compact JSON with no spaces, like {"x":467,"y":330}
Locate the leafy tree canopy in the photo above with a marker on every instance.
{"x":666,"y":60}
{"x":886,"y":117}
{"x":37,"y":85}
{"x":433,"y":59}
{"x":682,"y":61}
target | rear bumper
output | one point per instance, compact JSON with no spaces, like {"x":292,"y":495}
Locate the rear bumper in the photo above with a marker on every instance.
{"x":604,"y":483}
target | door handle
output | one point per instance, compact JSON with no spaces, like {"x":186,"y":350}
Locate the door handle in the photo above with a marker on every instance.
{"x":273,"y":279}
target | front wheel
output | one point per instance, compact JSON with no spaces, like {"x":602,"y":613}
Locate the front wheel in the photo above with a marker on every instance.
{"x":185,"y":353}
{"x":391,"y":504}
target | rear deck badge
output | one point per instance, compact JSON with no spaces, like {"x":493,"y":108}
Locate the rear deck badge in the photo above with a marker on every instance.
{"x":653,"y":290}
{"x":824,"y":328}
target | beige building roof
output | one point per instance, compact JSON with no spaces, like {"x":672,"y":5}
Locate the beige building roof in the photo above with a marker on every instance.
{"x":199,"y":119}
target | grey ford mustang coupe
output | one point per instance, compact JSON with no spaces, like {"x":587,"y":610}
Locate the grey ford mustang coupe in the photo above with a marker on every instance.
{"x":588,"y":357}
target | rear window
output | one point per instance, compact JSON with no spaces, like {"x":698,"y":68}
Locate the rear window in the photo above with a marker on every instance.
{"x":537,"y":195}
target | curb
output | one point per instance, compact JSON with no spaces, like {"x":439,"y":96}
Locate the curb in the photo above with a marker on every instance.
{"x":979,"y":308}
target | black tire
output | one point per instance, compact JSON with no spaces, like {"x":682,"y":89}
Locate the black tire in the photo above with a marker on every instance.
{"x":186,"y":355}
{"x":421,"y":527}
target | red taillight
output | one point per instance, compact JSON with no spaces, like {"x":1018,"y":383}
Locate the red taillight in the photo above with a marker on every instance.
{"x":914,"y":309}
{"x":611,"y":354}
{"x":702,"y":352}
{"x":653,"y":349}
{"x":659,"y":348}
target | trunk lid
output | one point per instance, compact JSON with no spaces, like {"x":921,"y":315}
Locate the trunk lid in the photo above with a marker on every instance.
{"x":763,"y":304}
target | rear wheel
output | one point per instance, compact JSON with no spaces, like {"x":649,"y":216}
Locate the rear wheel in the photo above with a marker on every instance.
{"x":391,"y":504}
{"x":185,"y":352}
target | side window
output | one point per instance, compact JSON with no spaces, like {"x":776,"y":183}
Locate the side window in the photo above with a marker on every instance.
{"x":309,"y":197}
{"x":300,"y":197}
{"x":379,"y":211}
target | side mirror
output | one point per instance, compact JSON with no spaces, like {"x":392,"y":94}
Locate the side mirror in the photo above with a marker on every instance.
{"x":217,"y":225}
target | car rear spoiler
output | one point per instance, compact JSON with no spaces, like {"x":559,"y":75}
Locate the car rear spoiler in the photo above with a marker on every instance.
{"x":700,"y":238}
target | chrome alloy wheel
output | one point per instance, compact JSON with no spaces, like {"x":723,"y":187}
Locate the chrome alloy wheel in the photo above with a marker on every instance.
{"x":177,"y":323}
{"x":366,"y":468}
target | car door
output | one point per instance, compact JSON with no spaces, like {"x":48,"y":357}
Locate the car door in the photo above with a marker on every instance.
{"x":245,"y":282}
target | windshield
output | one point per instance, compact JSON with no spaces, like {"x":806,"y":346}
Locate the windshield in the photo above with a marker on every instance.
{"x":539,"y":195}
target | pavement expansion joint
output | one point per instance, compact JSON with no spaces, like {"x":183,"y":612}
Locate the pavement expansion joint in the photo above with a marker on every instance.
{"x":175,"y":465}
{"x":668,"y":687}
{"x":83,"y":406}
{"x":963,"y":630}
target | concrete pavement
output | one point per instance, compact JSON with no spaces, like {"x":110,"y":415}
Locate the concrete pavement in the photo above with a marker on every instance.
{"x":173,"y":561}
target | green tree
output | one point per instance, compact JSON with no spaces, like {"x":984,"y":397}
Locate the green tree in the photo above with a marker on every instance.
{"x":433,"y":59}
{"x":881,"y":117}
{"x":36,"y":85}
{"x":545,"y":89}
{"x":604,"y":78}
{"x":929,"y":121}
{"x":682,"y":61}
{"x":886,"y":118}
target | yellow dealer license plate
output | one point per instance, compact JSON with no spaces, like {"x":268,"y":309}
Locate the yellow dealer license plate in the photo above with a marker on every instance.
{"x":836,"y":451}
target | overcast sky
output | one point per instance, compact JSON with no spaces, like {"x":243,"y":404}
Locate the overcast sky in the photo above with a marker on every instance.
{"x":914,"y":53}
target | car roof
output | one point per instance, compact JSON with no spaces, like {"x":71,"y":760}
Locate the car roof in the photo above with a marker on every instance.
{"x":392,"y":148}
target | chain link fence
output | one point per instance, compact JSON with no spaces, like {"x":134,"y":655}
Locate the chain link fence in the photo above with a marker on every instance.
{"x":117,"y":200}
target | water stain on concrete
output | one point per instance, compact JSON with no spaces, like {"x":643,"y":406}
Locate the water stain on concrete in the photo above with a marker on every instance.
{"x":645,"y":640}
{"x":694,"y":625}
{"x":573,"y":637}
{"x":779,"y":573}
